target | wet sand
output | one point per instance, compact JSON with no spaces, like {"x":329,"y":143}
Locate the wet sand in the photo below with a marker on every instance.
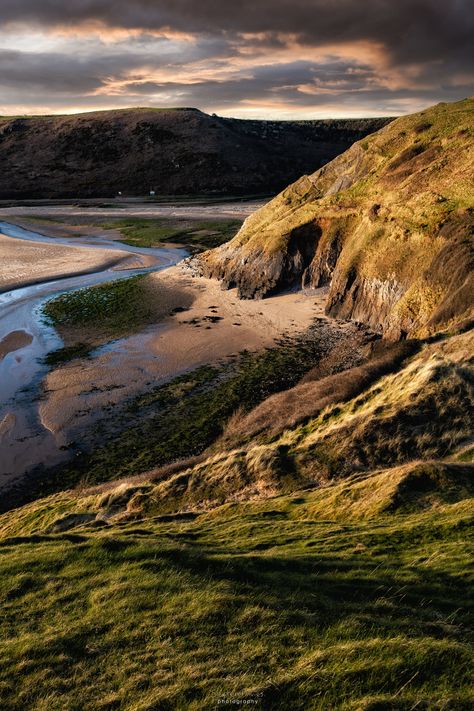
{"x":23,"y":263}
{"x":78,"y":215}
{"x":216,"y":325}
{"x":33,"y":267}
{"x":13,"y":342}
{"x":196,"y":323}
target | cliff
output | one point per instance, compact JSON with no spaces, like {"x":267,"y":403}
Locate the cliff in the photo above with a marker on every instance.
{"x":175,"y":151}
{"x":388,"y":225}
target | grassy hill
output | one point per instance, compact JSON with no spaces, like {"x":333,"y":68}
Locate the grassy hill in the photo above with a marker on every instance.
{"x":389,"y":224}
{"x":320,"y":563}
{"x":193,"y":454}
{"x":302,"y":602}
{"x":173,"y":151}
{"x":290,"y":530}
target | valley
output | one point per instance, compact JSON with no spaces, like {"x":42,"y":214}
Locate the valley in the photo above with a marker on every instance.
{"x":236,"y":439}
{"x":64,"y":373}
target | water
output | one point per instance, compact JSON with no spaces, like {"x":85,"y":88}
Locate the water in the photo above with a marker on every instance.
{"x":24,"y":441}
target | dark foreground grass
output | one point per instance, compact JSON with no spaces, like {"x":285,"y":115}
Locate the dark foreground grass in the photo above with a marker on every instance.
{"x":194,"y":234}
{"x":250,"y":604}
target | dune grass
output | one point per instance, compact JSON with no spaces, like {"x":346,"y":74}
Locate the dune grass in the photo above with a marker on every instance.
{"x":181,"y":418}
{"x":264,"y":603}
{"x":424,"y":412}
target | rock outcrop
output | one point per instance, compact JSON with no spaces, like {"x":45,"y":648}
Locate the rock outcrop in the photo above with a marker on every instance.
{"x":175,"y":151}
{"x":388,"y":224}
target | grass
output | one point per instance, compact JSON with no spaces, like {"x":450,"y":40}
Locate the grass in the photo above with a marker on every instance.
{"x":264,"y":602}
{"x":424,"y":411}
{"x":315,"y":393}
{"x":114,"y":306}
{"x":351,"y":595}
{"x":416,"y":170}
{"x":194,"y":234}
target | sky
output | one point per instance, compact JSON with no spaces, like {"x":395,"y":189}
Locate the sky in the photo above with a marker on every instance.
{"x":270,"y":59}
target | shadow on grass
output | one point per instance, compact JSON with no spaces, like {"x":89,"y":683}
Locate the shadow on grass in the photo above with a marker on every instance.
{"x":319,"y":630}
{"x":400,"y":622}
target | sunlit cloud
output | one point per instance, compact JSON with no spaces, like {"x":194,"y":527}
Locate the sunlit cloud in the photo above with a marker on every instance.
{"x":268,"y":58}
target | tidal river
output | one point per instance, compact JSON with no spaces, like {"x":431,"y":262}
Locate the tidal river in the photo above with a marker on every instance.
{"x":24,"y":442}
{"x":25,"y":337}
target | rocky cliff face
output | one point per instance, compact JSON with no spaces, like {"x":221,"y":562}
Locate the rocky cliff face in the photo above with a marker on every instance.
{"x":388,"y":224}
{"x":172,"y":151}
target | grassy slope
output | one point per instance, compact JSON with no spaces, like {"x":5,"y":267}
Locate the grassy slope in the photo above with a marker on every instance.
{"x":181,"y":418}
{"x":367,"y":163}
{"x":174,"y":151}
{"x":423,"y":411}
{"x":353,"y":595}
{"x":297,"y":602}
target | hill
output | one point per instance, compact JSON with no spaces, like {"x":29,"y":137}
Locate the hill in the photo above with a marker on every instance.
{"x":401,"y":405}
{"x":175,"y":151}
{"x":388,"y":224}
{"x":321,"y":561}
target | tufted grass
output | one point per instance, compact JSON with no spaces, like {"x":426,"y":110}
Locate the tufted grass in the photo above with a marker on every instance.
{"x":271,"y":602}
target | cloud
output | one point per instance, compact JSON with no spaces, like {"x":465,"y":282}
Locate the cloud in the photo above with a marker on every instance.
{"x":410,"y":29}
{"x":280,"y":55}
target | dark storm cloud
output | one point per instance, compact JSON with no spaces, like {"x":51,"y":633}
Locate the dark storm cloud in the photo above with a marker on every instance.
{"x":288,"y":53}
{"x":272,"y":85}
{"x":411,"y":30}
{"x":87,"y":70}
{"x":79,"y":75}
{"x":27,"y":71}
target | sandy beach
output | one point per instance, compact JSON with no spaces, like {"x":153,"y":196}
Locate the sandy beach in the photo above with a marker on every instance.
{"x":23,"y":263}
{"x":194,"y":323}
{"x":216,"y":325}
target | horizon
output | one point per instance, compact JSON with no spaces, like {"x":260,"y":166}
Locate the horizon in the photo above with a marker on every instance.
{"x":265,"y":60}
{"x":207,"y":113}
